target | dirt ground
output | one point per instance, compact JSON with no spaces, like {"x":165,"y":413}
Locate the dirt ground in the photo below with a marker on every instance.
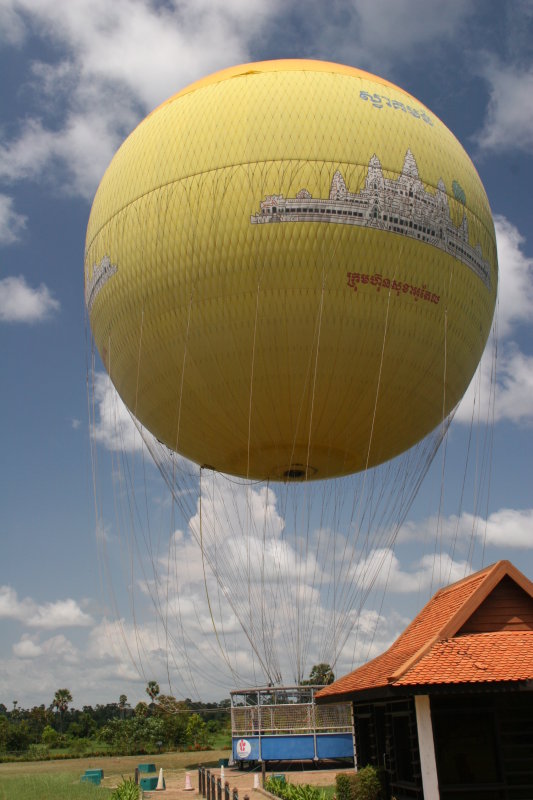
{"x":243,"y":781}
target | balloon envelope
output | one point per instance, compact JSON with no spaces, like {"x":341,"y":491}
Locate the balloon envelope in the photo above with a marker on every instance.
{"x":290,"y":271}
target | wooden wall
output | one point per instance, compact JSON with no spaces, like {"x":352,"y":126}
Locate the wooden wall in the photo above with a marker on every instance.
{"x":507,"y":608}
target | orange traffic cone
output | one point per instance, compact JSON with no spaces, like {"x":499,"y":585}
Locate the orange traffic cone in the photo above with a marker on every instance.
{"x":188,"y":787}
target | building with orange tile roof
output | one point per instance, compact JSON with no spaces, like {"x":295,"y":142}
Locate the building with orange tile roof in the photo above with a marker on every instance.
{"x":447,"y":710}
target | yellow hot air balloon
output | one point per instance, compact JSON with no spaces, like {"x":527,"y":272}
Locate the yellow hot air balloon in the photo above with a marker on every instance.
{"x":290,"y":271}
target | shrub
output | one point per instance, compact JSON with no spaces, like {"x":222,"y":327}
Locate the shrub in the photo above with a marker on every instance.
{"x":365,"y":784}
{"x":343,"y":786}
{"x":368,"y":784}
{"x":79,"y":746}
{"x":293,"y":791}
{"x":38,"y":752}
{"x":49,"y":736}
{"x":127,"y":790}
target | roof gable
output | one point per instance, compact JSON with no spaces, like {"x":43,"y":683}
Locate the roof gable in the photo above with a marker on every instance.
{"x":482,"y":600}
{"x":507,"y":607}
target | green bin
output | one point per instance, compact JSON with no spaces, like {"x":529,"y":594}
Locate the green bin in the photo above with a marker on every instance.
{"x":146,"y":767}
{"x":148,"y":784}
{"x":91,"y":779}
{"x":99,"y":772}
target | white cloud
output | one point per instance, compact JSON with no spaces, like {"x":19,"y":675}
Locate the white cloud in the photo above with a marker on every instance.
{"x":12,"y":29}
{"x":60,"y":648}
{"x":120,"y":60}
{"x":515,"y":289}
{"x":514,"y":386}
{"x":507,"y":527}
{"x":390,"y":576}
{"x":27,"y":648}
{"x":502,"y":388}
{"x":509,"y":121}
{"x":113,"y":425}
{"x":21,"y":303}
{"x":11,"y":223}
{"x":510,"y":527}
{"x":58,"y":614}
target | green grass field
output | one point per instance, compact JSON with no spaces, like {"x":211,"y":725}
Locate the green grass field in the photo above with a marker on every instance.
{"x":49,"y":787}
{"x":60,"y":780}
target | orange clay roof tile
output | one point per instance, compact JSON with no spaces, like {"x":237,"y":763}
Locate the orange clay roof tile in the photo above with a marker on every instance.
{"x":426,"y":651}
{"x":475,"y":658}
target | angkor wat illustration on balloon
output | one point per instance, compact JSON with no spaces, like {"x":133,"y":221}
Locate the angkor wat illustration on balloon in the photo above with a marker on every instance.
{"x":400,"y":205}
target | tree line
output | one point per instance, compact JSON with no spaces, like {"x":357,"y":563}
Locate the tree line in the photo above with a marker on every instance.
{"x":160,"y":723}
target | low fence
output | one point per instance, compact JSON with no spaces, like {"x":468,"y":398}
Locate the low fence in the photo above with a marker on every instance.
{"x":210,"y":787}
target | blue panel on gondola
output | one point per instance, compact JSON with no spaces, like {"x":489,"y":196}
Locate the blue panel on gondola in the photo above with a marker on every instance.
{"x":293,"y":748}
{"x":334,"y":745}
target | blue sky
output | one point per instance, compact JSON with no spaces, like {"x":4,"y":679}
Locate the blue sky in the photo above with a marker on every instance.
{"x":77,"y":76}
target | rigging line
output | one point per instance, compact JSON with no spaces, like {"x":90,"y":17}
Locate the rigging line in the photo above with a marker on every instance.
{"x":187,"y":641}
{"x":378,"y":615}
{"x":358,"y":500}
{"x":103,"y":560}
{"x":120,"y":475}
{"x":284,"y":567}
{"x":148,"y":538}
{"x":438,"y":532}
{"x":311,"y":617}
{"x":249,"y":489}
{"x":300,"y":643}
{"x":401,"y":518}
{"x":184,"y":360}
{"x":244,"y":528}
{"x":463,"y":484}
{"x":491,"y":423}
{"x":205,"y":554}
{"x":378,"y":386}
{"x":267,"y":640}
{"x":205,"y":581}
{"x":185,"y":653}
{"x":231,"y":582}
{"x":210,"y":559}
{"x":216,"y":556}
{"x":480,"y":470}
{"x":165,"y":617}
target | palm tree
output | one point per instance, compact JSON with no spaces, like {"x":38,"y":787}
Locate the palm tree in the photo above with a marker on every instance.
{"x":123,"y":704}
{"x":152,"y":690}
{"x":60,"y":702}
